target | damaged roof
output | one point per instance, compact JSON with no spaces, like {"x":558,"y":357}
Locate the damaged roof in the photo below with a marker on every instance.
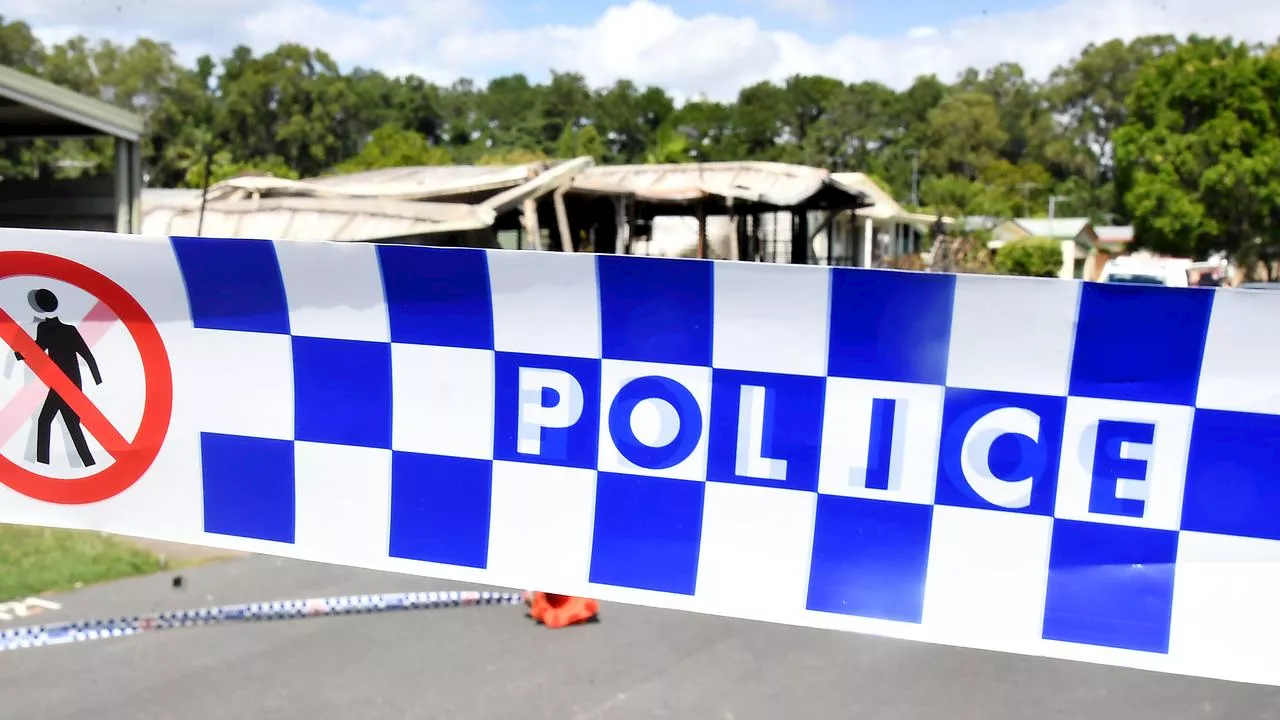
{"x":403,"y":183}
{"x":766,"y":183}
{"x":305,"y":218}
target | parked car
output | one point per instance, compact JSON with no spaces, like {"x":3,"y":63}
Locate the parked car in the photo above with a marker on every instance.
{"x":1146,"y":270}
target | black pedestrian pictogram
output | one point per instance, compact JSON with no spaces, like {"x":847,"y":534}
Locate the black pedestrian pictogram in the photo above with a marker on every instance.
{"x":65,"y":347}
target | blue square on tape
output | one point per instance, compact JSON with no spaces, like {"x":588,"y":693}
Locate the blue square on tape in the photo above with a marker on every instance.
{"x":655,"y":309}
{"x":1110,"y":585}
{"x":233,"y":284}
{"x":1000,"y":451}
{"x":647,"y":533}
{"x":1233,"y":487}
{"x":546,"y":409}
{"x":766,"y":429}
{"x":870,"y":558}
{"x":248,"y":487}
{"x":437,"y":296}
{"x":890,"y":325}
{"x":440,"y":509}
{"x":1140,"y":343}
{"x":342,"y":391}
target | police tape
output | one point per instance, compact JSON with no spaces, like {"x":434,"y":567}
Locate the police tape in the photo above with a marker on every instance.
{"x":1032,"y":465}
{"x":84,"y":631}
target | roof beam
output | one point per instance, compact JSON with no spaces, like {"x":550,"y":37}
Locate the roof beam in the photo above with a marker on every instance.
{"x":37,"y":131}
{"x":71,"y":107}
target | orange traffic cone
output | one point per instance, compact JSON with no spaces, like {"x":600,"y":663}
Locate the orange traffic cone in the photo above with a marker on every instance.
{"x":557,"y":611}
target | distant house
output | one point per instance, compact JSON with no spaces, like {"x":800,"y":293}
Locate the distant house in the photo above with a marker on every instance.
{"x":1113,"y":242}
{"x":1077,"y":236}
{"x":1115,"y":238}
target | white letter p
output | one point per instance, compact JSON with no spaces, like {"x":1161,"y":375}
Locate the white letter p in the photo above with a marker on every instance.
{"x":533,"y":416}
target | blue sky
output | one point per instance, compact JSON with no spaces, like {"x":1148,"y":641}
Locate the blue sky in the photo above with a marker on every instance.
{"x":689,"y":47}
{"x":876,"y":19}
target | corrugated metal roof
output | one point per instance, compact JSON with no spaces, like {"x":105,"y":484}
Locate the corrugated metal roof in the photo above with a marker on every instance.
{"x":402,"y":183}
{"x":1064,"y":228}
{"x":306,"y":218}
{"x":39,"y":101}
{"x":778,"y":184}
{"x":882,"y":207}
{"x":1114,"y":233}
{"x":552,"y":179}
{"x":979,"y":222}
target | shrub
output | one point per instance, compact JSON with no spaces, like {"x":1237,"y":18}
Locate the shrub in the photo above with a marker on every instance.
{"x":1036,"y":257}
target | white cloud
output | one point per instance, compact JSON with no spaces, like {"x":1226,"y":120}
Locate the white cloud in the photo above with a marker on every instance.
{"x":812,"y":10}
{"x":644,"y":41}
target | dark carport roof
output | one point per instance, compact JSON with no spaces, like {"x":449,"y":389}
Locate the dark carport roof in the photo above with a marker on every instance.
{"x":32,"y":107}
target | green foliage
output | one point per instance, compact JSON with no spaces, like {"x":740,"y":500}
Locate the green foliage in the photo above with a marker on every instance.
{"x":1199,"y":158}
{"x":225,"y":167}
{"x":1036,"y":257}
{"x":1181,"y":138}
{"x":964,"y":134}
{"x":670,"y":145}
{"x":512,"y":157}
{"x":37,"y":560}
{"x":575,"y":142}
{"x":393,"y":146}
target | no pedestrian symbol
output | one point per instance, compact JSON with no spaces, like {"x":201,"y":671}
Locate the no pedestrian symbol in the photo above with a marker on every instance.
{"x":55,"y":354}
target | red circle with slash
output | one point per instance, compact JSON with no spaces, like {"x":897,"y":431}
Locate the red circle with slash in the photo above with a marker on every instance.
{"x":132,"y":458}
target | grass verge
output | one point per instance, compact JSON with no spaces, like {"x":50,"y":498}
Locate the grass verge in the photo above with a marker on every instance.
{"x":37,"y":560}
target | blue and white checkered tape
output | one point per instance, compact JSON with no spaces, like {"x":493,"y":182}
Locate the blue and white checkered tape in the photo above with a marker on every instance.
{"x":64,"y":633}
{"x":1047,"y":467}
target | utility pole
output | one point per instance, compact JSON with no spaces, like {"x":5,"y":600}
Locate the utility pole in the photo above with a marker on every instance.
{"x":915,"y":177}
{"x":1053,"y":203}
{"x":1026,"y":188}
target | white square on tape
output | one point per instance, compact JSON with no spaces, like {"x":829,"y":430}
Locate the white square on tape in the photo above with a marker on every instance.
{"x":342,"y":502}
{"x":334,"y":290}
{"x":1238,"y":371}
{"x":544,"y":303}
{"x":756,"y":325}
{"x":1224,"y":602}
{"x":540,"y":525}
{"x":1012,"y":334}
{"x":755,"y":550}
{"x":442,"y":400}
{"x":229,"y":396}
{"x":988,"y":572}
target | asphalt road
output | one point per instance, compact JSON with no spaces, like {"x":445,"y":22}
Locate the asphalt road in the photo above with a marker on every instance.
{"x":492,"y":662}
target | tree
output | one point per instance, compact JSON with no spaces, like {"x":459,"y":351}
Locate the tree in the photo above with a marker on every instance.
{"x":1123,"y":128}
{"x":628,"y":120}
{"x":1036,"y":257}
{"x":576,"y":143}
{"x":857,"y":123}
{"x":590,"y":143}
{"x":1089,"y":95}
{"x":511,"y":115}
{"x":226,"y":167}
{"x":1199,"y":157}
{"x":1019,"y":105}
{"x":761,"y":113}
{"x":393,"y":146}
{"x":964,"y":134}
{"x":701,"y":130}
{"x":512,"y":157}
{"x":566,"y":104}
{"x":670,"y":146}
